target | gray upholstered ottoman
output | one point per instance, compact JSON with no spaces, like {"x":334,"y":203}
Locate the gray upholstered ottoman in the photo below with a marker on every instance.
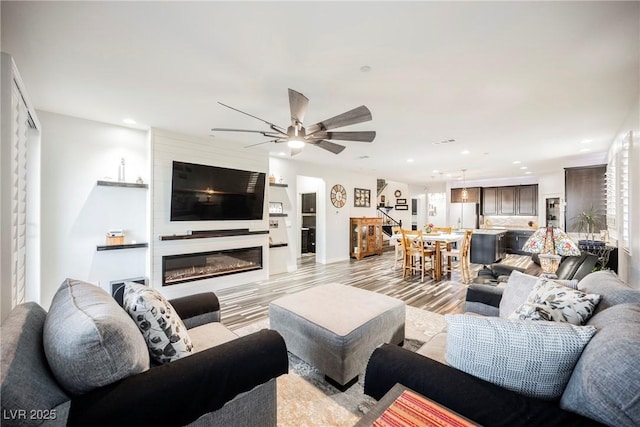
{"x":336,"y":327}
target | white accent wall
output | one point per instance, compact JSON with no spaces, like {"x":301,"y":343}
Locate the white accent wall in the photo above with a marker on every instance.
{"x":76,"y":213}
{"x":167,"y":147}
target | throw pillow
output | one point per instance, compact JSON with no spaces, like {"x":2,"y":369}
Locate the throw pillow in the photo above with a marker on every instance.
{"x":551,"y":301}
{"x":162,"y":329}
{"x":604,"y":383}
{"x":532,"y":358}
{"x":89,"y":341}
{"x":518,"y":288}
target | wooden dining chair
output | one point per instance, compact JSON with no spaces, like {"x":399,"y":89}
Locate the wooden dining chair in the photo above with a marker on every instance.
{"x":462,"y":254}
{"x":399,"y":254}
{"x":446,"y":230}
{"x":417,"y":255}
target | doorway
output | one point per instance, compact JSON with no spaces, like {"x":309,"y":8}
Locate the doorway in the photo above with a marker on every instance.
{"x":308,"y":229}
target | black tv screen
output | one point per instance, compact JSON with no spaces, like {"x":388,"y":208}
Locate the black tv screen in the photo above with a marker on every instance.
{"x":211,"y":193}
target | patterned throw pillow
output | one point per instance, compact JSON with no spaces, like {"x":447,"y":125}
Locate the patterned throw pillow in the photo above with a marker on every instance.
{"x":532,"y":358}
{"x":162,"y":328}
{"x":552,"y":301}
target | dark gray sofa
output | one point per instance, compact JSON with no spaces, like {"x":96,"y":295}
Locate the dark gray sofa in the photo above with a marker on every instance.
{"x":232,"y":383}
{"x":602,"y":389}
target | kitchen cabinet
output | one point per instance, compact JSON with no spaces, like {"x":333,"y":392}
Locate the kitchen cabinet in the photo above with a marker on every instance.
{"x":527,"y":200}
{"x":506,"y":200}
{"x":473,"y":195}
{"x":510,"y":200}
{"x":515,"y":240}
{"x":365,"y":237}
{"x":490,"y":201}
{"x":488,"y":247}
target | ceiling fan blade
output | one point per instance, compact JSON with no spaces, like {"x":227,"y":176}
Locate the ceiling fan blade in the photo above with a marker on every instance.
{"x":329,"y":146}
{"x":357,"y":115}
{"x":273,"y":126}
{"x":267,"y":134}
{"x":260,"y":143}
{"x":298,"y":105}
{"x":361,"y":136}
{"x":295,"y":151}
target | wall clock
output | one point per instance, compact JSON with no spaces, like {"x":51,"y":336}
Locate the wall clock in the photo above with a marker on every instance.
{"x":398,"y":193}
{"x":338,"y":196}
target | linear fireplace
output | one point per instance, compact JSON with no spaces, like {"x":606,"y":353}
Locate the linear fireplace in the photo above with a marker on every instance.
{"x":204,"y":265}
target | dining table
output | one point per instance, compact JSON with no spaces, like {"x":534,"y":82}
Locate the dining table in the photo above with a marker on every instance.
{"x":437,"y":238}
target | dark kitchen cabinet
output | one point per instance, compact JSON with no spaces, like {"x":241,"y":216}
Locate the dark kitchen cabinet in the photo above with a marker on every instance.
{"x":510,"y":200}
{"x":527,"y":200}
{"x":487,"y":248}
{"x":490,"y":201}
{"x":515,"y":240}
{"x":506,"y":200}
{"x":309,"y":203}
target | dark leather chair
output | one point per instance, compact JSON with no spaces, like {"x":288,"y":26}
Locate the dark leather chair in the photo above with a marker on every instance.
{"x":571,"y":267}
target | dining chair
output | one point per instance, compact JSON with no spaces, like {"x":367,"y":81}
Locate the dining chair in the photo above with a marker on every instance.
{"x":462,"y":254}
{"x":416,"y":254}
{"x":445,"y":230}
{"x":399,"y":255}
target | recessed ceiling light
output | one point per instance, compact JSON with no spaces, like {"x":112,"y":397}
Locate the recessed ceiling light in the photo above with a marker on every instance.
{"x":523,"y":167}
{"x":409,"y":160}
{"x":129,"y":121}
{"x":465,"y":152}
{"x":586,"y":141}
{"x":527,"y":172}
{"x":516,"y":162}
{"x":584,"y":150}
{"x":282,"y":153}
{"x":435,"y":171}
{"x":365,"y":68}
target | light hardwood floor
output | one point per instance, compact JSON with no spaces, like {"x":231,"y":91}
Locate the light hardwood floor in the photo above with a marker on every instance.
{"x":245,"y":304}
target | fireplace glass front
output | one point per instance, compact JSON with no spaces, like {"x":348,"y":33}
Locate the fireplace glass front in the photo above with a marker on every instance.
{"x":204,"y":265}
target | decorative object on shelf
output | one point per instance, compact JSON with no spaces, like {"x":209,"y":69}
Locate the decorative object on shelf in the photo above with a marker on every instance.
{"x":428,"y":227}
{"x":115,"y":237}
{"x":121,"y":170}
{"x":401,"y":201}
{"x":402,"y":207}
{"x":272,"y":179}
{"x":139,"y":180}
{"x":273,"y":223}
{"x":361,"y":198}
{"x":275,"y":207}
{"x":397,"y":193}
{"x":338,"y":195}
{"x":551,"y":244}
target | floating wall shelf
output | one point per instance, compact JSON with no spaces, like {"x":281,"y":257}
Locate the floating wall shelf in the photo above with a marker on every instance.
{"x":122,"y":184}
{"x":125,"y":246}
{"x":278,"y":245}
{"x":275,"y":184}
{"x":212,"y":233}
{"x":276,"y":215}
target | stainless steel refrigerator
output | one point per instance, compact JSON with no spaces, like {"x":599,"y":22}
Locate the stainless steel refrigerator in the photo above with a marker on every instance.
{"x":464,"y":215}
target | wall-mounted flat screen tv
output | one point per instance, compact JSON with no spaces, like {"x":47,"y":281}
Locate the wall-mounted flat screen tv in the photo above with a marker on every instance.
{"x":211,"y":193}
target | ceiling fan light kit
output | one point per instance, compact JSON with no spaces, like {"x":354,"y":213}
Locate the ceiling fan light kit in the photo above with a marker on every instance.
{"x":296,"y":136}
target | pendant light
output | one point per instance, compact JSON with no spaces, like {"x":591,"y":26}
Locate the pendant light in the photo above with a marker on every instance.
{"x":465,"y":193}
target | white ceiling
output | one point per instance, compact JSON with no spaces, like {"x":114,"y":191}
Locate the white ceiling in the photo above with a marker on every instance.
{"x":527,"y":81}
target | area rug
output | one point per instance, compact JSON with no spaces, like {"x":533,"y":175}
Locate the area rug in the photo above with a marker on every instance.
{"x":306,"y":399}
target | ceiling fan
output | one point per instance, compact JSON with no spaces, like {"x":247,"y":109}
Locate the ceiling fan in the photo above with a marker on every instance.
{"x":297,"y":136}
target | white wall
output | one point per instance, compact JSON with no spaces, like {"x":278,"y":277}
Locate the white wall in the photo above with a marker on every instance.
{"x":332,"y":241}
{"x":76,"y":213}
{"x":167,"y":147}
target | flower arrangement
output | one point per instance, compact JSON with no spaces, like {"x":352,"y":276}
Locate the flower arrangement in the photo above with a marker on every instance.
{"x":428,"y":227}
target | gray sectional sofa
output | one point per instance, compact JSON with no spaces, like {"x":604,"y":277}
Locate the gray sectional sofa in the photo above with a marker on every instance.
{"x":602,"y":388}
{"x":108,"y":376}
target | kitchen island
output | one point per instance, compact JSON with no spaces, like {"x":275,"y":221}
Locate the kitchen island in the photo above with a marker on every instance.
{"x":488,"y":246}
